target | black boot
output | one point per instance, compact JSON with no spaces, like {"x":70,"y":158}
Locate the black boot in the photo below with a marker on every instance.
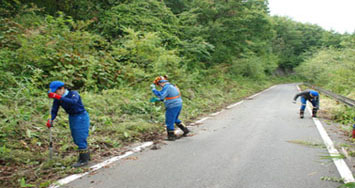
{"x":301,"y":114}
{"x":183,"y":128}
{"x":314,"y":112}
{"x":171,"y":135}
{"x":84,"y":157}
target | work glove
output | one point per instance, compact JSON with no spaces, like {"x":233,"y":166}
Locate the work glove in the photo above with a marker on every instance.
{"x":152,"y":86}
{"x":54,"y":96}
{"x":49,"y":123}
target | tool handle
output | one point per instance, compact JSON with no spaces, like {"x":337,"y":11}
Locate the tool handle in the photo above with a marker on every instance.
{"x":50,"y":133}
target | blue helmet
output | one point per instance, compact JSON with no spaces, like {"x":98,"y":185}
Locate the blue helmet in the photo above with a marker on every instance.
{"x":53,"y":86}
{"x":314,"y":93}
{"x":162,"y":81}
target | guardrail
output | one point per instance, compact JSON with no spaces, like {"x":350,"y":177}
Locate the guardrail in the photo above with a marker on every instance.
{"x":345,"y":100}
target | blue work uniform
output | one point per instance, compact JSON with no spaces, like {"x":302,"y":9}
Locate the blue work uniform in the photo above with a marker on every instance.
{"x":79,"y":120}
{"x":173,"y":104}
{"x":307,"y":95}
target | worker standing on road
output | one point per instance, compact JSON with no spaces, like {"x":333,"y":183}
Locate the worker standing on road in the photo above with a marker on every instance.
{"x":78,"y":117}
{"x":171,"y":96}
{"x":311,"y":96}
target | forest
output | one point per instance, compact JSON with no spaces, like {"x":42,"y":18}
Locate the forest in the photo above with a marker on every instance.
{"x":216,"y":51}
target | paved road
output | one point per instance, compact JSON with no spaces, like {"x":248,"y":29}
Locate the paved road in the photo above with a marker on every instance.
{"x":243,"y":147}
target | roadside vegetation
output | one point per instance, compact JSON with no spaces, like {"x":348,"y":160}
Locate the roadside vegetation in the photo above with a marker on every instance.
{"x":217,"y":52}
{"x":333,"y":69}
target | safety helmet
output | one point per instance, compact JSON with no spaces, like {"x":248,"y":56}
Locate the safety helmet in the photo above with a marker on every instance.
{"x":53,"y":86}
{"x":314,"y":93}
{"x":160,"y":79}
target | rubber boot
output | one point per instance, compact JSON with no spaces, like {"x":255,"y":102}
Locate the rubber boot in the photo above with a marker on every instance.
{"x":171,"y":135}
{"x":301,"y":114}
{"x":314,"y":112}
{"x":183,"y":128}
{"x":84,"y":157}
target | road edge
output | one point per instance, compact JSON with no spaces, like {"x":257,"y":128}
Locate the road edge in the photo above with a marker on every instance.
{"x":340,"y":164}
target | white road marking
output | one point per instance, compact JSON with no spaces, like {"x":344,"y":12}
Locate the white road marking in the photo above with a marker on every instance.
{"x":202,"y":120}
{"x":233,"y":105}
{"x":269,"y":88}
{"x":100,"y":165}
{"x":214,"y":114}
{"x":340,"y":164}
{"x":342,"y":167}
{"x":255,"y":95}
{"x":261,"y":92}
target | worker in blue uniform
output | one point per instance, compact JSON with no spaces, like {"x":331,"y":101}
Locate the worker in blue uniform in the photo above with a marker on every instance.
{"x":311,"y":96}
{"x":171,"y":96}
{"x":79,"y":120}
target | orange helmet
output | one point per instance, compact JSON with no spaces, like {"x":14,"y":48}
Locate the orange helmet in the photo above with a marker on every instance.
{"x":160,"y":79}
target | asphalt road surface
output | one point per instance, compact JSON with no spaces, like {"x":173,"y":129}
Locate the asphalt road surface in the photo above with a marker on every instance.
{"x":252,"y":145}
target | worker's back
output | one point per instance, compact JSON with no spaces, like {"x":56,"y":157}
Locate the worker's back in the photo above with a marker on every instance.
{"x":174,"y":95}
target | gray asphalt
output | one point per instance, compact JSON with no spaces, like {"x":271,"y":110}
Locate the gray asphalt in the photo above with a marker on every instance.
{"x":243,"y":147}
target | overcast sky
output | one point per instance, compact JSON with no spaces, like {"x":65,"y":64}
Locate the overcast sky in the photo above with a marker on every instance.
{"x":338,"y":15}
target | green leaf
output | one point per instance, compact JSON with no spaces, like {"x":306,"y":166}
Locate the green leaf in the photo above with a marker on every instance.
{"x":126,"y":134}
{"x":348,"y":185}
{"x":24,"y":184}
{"x":28,"y":133}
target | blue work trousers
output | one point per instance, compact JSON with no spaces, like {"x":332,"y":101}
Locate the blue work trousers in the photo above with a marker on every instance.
{"x":172,"y":117}
{"x":79,"y":127}
{"x":315,"y":103}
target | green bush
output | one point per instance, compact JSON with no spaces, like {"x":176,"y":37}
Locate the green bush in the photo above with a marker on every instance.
{"x":332,"y":69}
{"x":59,"y":49}
{"x":147,"y":16}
